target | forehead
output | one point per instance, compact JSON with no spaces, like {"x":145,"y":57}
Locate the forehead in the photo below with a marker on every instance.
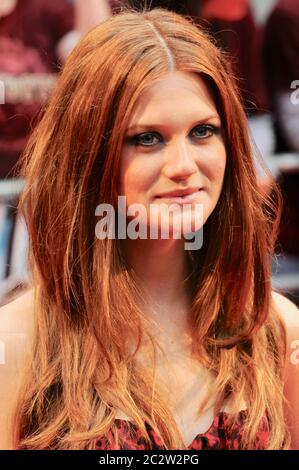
{"x":179,"y":95}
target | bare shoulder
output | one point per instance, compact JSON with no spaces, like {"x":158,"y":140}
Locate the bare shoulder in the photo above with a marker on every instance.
{"x":289,"y":313}
{"x":16,"y":328}
{"x":17,"y":315}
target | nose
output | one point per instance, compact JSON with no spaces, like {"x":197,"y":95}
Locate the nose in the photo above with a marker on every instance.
{"x":180,"y":163}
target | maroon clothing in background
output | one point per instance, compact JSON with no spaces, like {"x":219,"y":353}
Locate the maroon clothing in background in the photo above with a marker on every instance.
{"x":281,"y":59}
{"x":281,"y":46}
{"x":28,"y":40}
{"x":242,"y":40}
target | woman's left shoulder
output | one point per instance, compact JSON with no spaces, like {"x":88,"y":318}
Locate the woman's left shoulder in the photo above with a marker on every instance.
{"x":288,"y":311}
{"x":289,"y":314}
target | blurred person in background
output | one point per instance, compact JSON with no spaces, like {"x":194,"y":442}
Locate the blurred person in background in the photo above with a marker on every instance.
{"x":233,"y":25}
{"x":88,"y":13}
{"x":36,"y":37}
{"x":30,"y":31}
{"x":281,"y":59}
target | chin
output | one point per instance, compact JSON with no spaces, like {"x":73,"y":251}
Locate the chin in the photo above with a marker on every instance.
{"x":179,"y":227}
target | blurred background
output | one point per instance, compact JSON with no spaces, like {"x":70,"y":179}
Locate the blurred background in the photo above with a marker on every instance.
{"x":262,"y":40}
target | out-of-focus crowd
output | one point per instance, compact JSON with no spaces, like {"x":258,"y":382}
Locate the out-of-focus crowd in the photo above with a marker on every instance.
{"x":36,"y":37}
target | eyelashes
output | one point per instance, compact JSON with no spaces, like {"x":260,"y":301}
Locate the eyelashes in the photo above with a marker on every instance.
{"x":201,"y":132}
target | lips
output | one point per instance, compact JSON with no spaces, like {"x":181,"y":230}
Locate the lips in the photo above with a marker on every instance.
{"x":181,"y":195}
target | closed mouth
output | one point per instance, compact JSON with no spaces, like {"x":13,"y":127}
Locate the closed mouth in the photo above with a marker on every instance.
{"x":180,"y":193}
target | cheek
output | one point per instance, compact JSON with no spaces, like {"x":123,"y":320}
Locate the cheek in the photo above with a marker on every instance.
{"x":136,"y":177}
{"x":213,"y":163}
{"x":219,"y":169}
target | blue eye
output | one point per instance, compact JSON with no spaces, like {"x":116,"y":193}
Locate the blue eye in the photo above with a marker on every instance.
{"x":206,"y":130}
{"x":145,"y":139}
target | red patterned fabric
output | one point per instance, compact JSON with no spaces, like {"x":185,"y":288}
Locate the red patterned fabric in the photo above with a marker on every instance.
{"x":217,"y":437}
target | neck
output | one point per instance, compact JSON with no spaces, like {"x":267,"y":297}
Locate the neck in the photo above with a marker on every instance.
{"x":161,"y":268}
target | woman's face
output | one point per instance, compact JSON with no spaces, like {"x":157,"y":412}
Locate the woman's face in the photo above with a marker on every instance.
{"x":174,"y":143}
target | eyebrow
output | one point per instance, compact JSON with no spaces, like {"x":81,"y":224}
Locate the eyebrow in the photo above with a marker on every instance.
{"x":161,"y":126}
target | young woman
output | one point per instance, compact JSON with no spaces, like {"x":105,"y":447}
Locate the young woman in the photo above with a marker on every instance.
{"x":137,"y":342}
